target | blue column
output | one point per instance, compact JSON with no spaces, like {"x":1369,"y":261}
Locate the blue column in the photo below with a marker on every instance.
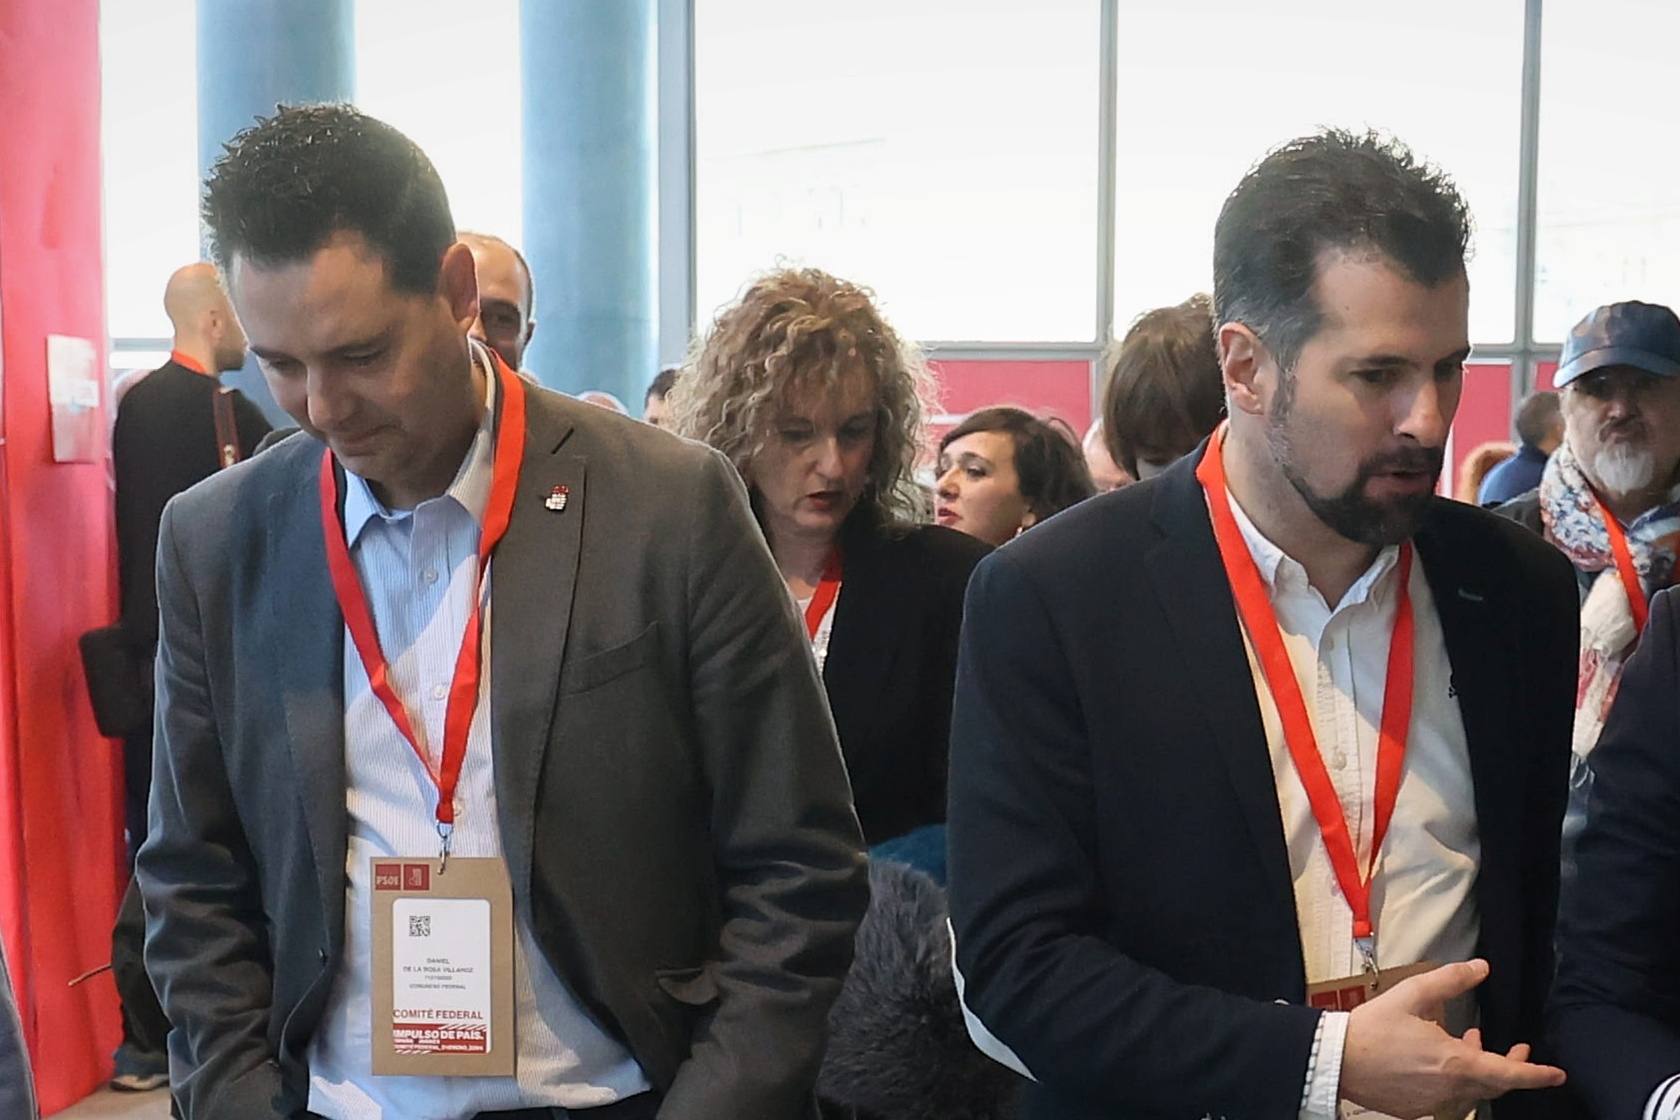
{"x":255,"y":54}
{"x":252,"y":56}
{"x":590,"y":186}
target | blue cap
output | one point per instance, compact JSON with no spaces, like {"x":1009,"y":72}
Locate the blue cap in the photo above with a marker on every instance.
{"x":1642,"y":335}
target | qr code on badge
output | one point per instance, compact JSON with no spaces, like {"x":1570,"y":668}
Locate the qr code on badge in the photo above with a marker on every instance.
{"x":419,"y":925}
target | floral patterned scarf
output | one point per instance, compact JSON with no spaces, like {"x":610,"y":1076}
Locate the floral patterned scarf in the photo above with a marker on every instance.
{"x":1575,"y":523}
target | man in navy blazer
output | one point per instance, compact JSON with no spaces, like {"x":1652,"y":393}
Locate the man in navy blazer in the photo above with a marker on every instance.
{"x":1139,"y":895}
{"x":1615,"y":1011}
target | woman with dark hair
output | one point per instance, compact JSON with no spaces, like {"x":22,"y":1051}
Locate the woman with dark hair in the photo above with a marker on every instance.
{"x":1165,"y":392}
{"x":818,"y":403}
{"x":1003,"y":470}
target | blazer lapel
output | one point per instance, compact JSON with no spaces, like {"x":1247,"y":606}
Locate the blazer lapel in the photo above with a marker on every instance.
{"x":1196,"y":597}
{"x":309,"y":636}
{"x":1481,"y":656}
{"x":533,"y":576}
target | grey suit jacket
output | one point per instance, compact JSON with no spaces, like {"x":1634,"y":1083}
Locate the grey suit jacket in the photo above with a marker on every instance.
{"x":674,"y":812}
{"x":17,"y":1088}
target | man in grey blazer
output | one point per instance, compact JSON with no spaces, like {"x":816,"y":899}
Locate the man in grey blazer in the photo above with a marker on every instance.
{"x":17,"y":1087}
{"x":640,"y":738}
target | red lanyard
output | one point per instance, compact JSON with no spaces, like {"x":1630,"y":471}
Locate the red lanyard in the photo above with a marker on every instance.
{"x":823,"y":597}
{"x":352,"y":601}
{"x":1624,"y":566}
{"x":187,"y":360}
{"x":1255,"y":607}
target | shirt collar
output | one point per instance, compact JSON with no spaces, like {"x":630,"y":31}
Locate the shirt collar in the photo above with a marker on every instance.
{"x":1285,"y":575}
{"x":470,"y":489}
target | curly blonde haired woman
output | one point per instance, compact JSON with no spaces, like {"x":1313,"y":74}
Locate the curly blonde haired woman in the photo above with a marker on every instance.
{"x":818,"y":403}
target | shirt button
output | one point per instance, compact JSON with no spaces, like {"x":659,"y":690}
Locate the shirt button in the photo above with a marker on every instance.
{"x":440,"y":691}
{"x":429,"y":575}
{"x":1338,"y":760}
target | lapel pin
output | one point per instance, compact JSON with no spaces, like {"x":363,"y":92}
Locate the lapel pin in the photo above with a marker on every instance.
{"x":556,"y":499}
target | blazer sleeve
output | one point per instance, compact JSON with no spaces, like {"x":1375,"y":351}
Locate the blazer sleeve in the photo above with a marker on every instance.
{"x":205,"y":947}
{"x":785,"y":838}
{"x":1028,"y":904}
{"x":1615,"y":1009}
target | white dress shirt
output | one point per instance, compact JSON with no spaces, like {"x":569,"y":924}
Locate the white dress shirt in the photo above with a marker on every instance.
{"x":419,"y":569}
{"x":1423,"y":902}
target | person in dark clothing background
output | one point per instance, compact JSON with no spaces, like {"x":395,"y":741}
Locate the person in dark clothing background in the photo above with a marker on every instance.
{"x":1609,"y":499}
{"x":818,"y":403}
{"x":1539,"y":431}
{"x":165,"y":441}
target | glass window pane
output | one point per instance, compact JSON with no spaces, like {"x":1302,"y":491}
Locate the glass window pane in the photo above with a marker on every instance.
{"x":447,"y":75}
{"x":1609,"y":200}
{"x":945,"y":156}
{"x":1207,"y":87}
{"x":150,"y":146}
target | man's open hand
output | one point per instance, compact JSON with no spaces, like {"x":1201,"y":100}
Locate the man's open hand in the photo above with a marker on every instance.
{"x":1398,"y":1062}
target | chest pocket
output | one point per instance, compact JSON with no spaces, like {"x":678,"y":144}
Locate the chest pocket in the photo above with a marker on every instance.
{"x":608,"y":665}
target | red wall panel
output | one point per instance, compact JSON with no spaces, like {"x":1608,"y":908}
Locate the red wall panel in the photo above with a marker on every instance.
{"x":1047,"y":388}
{"x":1484,"y":413}
{"x":59,"y":780}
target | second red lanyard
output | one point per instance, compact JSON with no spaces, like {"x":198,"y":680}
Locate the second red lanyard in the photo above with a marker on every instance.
{"x":1624,"y":567}
{"x":1254,"y":605}
{"x":823,"y":597}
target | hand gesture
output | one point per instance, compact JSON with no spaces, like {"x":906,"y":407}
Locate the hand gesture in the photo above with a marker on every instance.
{"x":1397,"y":1061}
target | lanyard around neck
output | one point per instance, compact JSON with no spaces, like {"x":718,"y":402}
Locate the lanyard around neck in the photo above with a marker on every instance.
{"x":187,"y":361}
{"x":509,"y":430}
{"x":1254,"y":605}
{"x":823,"y":597}
{"x":1624,"y":566}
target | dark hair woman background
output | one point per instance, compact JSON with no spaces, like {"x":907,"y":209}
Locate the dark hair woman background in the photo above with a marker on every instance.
{"x":1003,"y":470}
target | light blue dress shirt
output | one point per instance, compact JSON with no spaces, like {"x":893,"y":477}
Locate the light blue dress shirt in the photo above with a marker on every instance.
{"x":419,"y":571}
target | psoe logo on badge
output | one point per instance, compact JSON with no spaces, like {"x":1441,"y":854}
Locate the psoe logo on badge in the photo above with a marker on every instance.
{"x":417,"y":877}
{"x":387,"y":876}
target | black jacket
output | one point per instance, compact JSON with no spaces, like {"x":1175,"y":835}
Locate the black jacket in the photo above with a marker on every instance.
{"x":892,"y":661}
{"x":164,"y":441}
{"x":1120,"y":881}
{"x":1615,"y":1014}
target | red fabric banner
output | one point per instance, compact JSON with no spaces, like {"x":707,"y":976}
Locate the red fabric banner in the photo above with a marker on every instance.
{"x":60,"y":782}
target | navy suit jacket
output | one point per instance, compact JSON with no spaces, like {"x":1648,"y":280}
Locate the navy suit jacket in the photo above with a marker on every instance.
{"x":1615,"y":1013}
{"x":1120,"y":885}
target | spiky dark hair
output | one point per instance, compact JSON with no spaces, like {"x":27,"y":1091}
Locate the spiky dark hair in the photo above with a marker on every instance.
{"x":283,"y":187}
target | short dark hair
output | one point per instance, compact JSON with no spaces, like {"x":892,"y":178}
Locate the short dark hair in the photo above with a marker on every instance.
{"x":1357,"y":192}
{"x":1049,"y":465}
{"x":1165,"y":391}
{"x":661,"y":386}
{"x":283,"y":187}
{"x":1538,"y":416}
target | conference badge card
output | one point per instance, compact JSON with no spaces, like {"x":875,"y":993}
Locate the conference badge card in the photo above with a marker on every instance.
{"x":442,"y":968}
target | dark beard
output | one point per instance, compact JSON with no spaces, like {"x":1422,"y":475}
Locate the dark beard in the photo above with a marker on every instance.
{"x":1350,"y":513}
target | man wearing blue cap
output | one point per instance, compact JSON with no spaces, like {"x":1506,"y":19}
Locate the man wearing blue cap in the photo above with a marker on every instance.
{"x":1608,"y":498}
{"x":1615,"y":1010}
